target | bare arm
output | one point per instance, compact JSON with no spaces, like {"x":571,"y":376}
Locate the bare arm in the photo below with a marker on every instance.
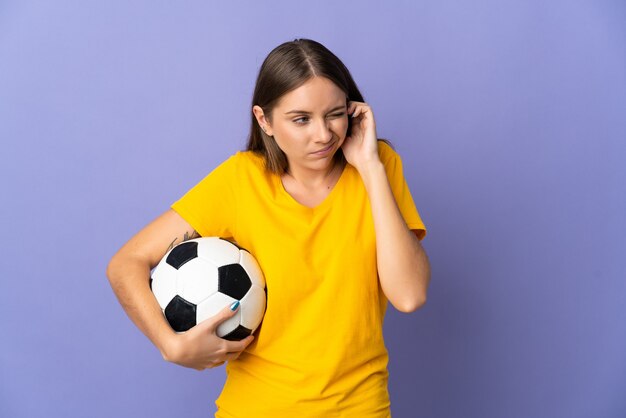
{"x":403,"y":265}
{"x":129,"y":274}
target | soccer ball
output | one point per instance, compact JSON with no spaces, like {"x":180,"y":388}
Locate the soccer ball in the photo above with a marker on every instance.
{"x":197,"y":278}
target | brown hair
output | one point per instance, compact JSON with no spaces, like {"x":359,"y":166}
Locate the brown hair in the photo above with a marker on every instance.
{"x":286,"y":68}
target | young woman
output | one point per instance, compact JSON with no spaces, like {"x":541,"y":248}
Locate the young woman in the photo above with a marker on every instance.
{"x":323,"y":206}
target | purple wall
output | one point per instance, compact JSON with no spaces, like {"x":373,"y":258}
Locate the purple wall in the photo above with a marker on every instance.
{"x":510,"y":118}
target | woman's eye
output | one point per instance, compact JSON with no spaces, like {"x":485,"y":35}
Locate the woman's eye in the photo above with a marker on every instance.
{"x":303,"y":119}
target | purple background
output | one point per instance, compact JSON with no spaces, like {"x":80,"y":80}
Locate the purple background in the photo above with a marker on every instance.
{"x":510,"y":117}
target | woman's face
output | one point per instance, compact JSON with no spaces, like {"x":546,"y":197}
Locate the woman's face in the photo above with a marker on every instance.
{"x":309,"y":123}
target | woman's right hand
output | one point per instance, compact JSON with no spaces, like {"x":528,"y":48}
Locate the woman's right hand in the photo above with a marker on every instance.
{"x":201,"y":348}
{"x":128,"y":273}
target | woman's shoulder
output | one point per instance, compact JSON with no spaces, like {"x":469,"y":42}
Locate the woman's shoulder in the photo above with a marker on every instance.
{"x":248,"y":159}
{"x":247,"y":163}
{"x":386,"y":152}
{"x":238,"y":162}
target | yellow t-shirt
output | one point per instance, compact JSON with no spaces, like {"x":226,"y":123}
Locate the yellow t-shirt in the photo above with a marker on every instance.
{"x":319,"y":351}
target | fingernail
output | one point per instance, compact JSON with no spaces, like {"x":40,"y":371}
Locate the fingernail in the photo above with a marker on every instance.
{"x":234,"y":306}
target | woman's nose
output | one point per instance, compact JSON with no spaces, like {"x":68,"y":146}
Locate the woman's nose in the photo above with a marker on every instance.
{"x":324,"y":133}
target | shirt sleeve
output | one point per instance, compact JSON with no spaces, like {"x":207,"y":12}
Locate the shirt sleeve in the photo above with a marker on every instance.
{"x":210,"y":206}
{"x":393,"y":166}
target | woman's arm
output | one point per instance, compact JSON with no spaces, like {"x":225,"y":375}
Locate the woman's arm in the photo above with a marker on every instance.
{"x":129,"y":274}
{"x":129,"y":277}
{"x":403,"y":267}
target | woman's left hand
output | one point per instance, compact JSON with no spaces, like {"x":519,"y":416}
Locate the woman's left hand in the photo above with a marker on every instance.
{"x":361,"y":147}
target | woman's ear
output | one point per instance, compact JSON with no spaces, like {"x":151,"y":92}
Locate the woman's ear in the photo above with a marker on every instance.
{"x":261,"y":119}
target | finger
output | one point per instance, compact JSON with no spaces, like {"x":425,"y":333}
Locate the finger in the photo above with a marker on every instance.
{"x":358,"y":111}
{"x":226,"y":313}
{"x":354,"y":109}
{"x":354,"y":106}
{"x":214,"y":365}
{"x":351,"y":106}
{"x":232,"y":346}
{"x":232,"y":356}
{"x":358,"y":108}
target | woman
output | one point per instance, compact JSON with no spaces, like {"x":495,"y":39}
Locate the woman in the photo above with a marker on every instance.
{"x":323,"y":206}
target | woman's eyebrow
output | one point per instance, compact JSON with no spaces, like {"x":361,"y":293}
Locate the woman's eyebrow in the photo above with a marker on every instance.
{"x":343,"y":106}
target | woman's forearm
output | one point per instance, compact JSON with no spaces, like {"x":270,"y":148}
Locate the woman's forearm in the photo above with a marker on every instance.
{"x":129,"y":278}
{"x":403,"y":266}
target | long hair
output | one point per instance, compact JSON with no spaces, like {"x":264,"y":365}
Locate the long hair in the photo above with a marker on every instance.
{"x":287,"y":67}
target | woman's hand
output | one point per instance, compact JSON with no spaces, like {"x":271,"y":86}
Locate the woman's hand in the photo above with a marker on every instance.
{"x":361,"y":147}
{"x":201,"y":348}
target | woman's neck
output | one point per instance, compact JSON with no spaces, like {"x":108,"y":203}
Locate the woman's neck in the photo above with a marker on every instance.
{"x":315,"y":179}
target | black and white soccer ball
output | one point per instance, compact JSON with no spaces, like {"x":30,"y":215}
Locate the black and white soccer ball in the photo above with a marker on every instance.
{"x":197,"y":278}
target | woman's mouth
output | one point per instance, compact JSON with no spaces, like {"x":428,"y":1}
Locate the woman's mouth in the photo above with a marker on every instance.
{"x":324,"y":150}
